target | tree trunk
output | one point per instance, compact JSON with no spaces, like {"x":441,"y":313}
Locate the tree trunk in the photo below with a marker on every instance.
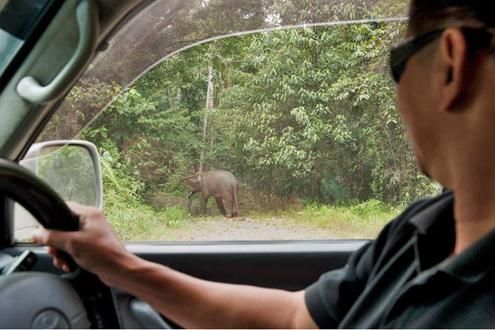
{"x":209,"y":106}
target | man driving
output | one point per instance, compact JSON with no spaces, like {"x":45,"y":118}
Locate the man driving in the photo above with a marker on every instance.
{"x":431,"y":267}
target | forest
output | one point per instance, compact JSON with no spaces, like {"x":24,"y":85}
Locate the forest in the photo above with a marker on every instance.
{"x":303,"y":116}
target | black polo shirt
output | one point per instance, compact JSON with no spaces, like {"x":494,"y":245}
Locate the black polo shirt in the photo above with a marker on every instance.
{"x":406,"y":279}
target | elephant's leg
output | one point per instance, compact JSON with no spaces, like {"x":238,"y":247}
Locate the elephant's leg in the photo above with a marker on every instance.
{"x":220,"y":205}
{"x":189,"y":201}
{"x":235,"y":202}
{"x":227,"y":203}
{"x":204,"y":203}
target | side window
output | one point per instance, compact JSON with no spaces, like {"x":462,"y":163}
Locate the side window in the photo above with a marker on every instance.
{"x":276,"y":135}
{"x":19,"y":20}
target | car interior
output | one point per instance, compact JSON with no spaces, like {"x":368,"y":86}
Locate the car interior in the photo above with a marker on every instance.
{"x":52,"y":43}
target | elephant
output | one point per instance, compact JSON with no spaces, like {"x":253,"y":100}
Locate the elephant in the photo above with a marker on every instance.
{"x":222,"y":185}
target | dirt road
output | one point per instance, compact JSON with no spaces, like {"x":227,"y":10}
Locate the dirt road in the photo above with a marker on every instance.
{"x":242,"y":229}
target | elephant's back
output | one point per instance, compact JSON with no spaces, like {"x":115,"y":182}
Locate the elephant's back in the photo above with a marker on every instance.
{"x":217,"y":174}
{"x":217,"y":179}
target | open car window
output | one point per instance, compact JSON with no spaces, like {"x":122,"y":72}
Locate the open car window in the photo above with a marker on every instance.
{"x":293,"y":100}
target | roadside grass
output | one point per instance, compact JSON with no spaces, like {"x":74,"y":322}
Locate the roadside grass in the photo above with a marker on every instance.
{"x":140,"y":222}
{"x":137,"y":221}
{"x":363,"y":220}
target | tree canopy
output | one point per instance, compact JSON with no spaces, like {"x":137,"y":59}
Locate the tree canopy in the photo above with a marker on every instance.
{"x":303,"y":112}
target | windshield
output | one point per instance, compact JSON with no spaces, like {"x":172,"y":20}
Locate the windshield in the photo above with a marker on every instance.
{"x":281,"y":112}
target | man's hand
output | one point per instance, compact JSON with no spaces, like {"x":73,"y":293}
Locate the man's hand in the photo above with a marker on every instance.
{"x":94,"y":247}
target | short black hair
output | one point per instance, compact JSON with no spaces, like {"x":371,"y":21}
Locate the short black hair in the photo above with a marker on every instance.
{"x":426,"y":15}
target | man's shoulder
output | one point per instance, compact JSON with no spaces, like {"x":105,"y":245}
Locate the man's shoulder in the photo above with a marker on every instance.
{"x":416,"y":208}
{"x":401,"y":229}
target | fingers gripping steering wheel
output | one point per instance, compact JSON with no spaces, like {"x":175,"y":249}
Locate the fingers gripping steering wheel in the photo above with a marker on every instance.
{"x":33,"y":299}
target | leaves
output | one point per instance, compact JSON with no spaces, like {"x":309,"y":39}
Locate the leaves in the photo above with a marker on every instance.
{"x":303,"y":111}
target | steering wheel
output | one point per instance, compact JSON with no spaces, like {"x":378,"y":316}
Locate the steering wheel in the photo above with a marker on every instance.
{"x":35,"y":299}
{"x":37,"y":197}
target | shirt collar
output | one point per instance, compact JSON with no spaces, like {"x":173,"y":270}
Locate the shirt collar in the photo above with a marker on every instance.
{"x":435,"y":232}
{"x":439,"y":211}
{"x":435,"y":240}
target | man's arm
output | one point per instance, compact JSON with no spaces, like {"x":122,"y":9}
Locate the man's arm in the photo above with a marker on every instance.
{"x":195,"y":303}
{"x":188,"y":301}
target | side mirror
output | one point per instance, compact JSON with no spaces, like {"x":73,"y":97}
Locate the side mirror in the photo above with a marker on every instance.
{"x":71,"y":167}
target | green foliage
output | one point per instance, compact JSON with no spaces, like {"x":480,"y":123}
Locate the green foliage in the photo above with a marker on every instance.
{"x":118,"y":181}
{"x":362,"y":220}
{"x":307,"y":112}
{"x":137,"y":221}
{"x":370,"y":209}
{"x":131,"y":218}
{"x":175,"y":215}
{"x":300,"y":115}
{"x":82,"y":104}
{"x":334,"y":192}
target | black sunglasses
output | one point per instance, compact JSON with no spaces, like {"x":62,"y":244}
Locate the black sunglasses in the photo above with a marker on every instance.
{"x":400,"y":54}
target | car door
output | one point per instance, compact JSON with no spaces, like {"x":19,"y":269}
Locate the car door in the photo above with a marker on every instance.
{"x":231,"y":85}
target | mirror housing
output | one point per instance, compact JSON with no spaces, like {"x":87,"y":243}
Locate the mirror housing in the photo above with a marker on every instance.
{"x":71,"y":167}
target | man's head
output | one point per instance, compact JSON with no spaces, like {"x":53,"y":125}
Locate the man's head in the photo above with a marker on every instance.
{"x":427,"y":15}
{"x":446,"y":81}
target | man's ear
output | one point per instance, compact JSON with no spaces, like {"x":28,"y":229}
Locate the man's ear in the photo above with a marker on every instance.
{"x":455,"y":73}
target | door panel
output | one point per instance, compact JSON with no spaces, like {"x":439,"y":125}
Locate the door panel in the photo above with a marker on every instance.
{"x":283,"y":265}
